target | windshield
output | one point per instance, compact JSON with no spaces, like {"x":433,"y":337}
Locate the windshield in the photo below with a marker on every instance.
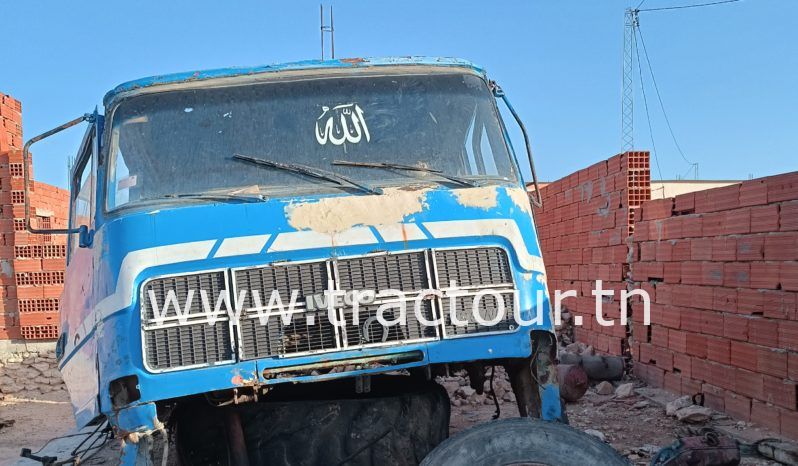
{"x":178,"y":144}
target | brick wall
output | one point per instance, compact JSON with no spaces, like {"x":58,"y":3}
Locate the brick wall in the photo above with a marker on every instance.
{"x":722,"y":269}
{"x":583,"y":229}
{"x":31,"y":266}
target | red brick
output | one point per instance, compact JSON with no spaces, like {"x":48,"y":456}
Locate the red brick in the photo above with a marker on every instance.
{"x":659,"y":336}
{"x":781,"y":246}
{"x":681,"y":364}
{"x":692,"y":226}
{"x":744,"y":355}
{"x":772,"y":362}
{"x":681,"y":250}
{"x":737,"y":406}
{"x":657,"y":209}
{"x":788,"y":216}
{"x":673,"y":382}
{"x":711,"y":274}
{"x":763,"y":332}
{"x":672,"y":272}
{"x":736,"y":274}
{"x":751,"y":302}
{"x":713,"y":396}
{"x":724,"y":198}
{"x":788,"y":335}
{"x":718,"y":350}
{"x":765,"y":219}
{"x":788,"y":275}
{"x":753,"y":192}
{"x":792,"y":366}
{"x":713,"y":223}
{"x":677,"y":340}
{"x":735,"y":327}
{"x":691,"y":273}
{"x":766,"y":415}
{"x":686,"y":202}
{"x":697,"y":345}
{"x":664,"y":251}
{"x":711,"y":323}
{"x":780,"y":392}
{"x":690,"y":386}
{"x":724,"y":249}
{"x":737,"y":222}
{"x":765,"y":275}
{"x":701,"y":249}
{"x":749,"y":383}
{"x":750,"y":248}
{"x":724,"y":299}
{"x":782,"y":187}
{"x":789,"y":424}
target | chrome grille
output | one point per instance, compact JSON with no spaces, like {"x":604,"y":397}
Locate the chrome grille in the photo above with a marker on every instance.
{"x":306,"y":278}
{"x":406,"y":272}
{"x":473,"y":267}
{"x":308,"y":332}
{"x":488,"y":310}
{"x":367,"y":330}
{"x":171,"y":342}
{"x":188,"y":345}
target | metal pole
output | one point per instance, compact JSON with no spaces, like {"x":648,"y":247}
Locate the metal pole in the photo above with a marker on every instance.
{"x":332,"y":33}
{"x":321,"y":22}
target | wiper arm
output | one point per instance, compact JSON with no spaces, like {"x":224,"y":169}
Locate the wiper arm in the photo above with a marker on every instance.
{"x":399,"y":166}
{"x":223,"y":197}
{"x":312,"y":172}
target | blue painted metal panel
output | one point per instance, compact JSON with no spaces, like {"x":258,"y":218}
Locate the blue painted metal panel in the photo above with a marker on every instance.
{"x":200,"y":75}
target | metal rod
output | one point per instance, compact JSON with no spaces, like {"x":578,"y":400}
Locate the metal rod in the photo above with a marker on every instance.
{"x":321,"y":22}
{"x":332,"y":33}
{"x":26,"y":174}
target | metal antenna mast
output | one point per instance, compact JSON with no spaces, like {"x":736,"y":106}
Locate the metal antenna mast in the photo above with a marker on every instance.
{"x":327,"y":29}
{"x":630,"y":23}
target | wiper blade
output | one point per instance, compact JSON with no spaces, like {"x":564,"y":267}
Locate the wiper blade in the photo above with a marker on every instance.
{"x":307,"y":170}
{"x":223,"y":197}
{"x":399,"y":166}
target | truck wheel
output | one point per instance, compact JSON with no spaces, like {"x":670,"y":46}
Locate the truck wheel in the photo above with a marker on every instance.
{"x":523,"y":441}
{"x":398,"y":423}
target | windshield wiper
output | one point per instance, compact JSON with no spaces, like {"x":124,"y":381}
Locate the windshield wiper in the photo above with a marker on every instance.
{"x":223,"y":197}
{"x":399,"y":166}
{"x":312,"y":172}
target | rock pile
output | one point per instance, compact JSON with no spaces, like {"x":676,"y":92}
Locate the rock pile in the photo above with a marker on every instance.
{"x":461,"y":393}
{"x":30,"y":372}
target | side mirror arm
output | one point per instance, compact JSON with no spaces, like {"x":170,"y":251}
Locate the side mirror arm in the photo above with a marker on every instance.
{"x":498,"y":92}
{"x":25,"y":161}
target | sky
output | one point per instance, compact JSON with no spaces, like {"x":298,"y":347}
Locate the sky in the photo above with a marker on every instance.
{"x":727,"y":74}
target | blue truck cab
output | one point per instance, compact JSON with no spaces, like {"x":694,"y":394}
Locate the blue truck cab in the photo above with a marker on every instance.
{"x":223,"y":225}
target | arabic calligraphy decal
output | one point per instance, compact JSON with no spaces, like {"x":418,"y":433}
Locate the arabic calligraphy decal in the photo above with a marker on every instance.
{"x":344,"y":123}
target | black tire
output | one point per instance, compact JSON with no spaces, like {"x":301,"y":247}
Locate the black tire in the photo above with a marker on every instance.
{"x":398,"y":423}
{"x":523,"y":441}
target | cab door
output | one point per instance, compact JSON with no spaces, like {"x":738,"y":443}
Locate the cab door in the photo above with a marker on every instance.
{"x":78,"y":321}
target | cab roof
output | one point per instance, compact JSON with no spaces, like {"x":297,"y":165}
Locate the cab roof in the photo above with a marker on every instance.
{"x":190,"y":76}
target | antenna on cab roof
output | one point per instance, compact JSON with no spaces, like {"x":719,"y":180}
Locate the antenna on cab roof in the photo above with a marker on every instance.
{"x":327,"y":29}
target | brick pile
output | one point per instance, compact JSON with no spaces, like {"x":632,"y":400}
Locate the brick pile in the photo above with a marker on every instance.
{"x":721,"y":266}
{"x":31,"y":266}
{"x":583,"y":229}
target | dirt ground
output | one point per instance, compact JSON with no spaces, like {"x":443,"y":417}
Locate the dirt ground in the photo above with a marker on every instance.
{"x":37,"y":419}
{"x":635,"y":426}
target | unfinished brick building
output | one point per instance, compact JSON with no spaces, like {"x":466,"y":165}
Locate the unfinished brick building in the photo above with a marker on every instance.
{"x":720,"y":266}
{"x":31,"y":266}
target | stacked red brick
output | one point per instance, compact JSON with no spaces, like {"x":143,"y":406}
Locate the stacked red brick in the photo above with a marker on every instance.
{"x":583,"y":229}
{"x":31,"y":266}
{"x":722,"y":269}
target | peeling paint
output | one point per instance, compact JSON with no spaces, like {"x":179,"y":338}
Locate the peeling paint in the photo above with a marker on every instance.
{"x":483,"y":198}
{"x":337,"y":214}
{"x":520,"y":198}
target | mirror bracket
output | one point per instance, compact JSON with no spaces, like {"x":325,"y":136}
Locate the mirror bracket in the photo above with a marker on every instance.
{"x":498,"y":92}
{"x":88,"y":117}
